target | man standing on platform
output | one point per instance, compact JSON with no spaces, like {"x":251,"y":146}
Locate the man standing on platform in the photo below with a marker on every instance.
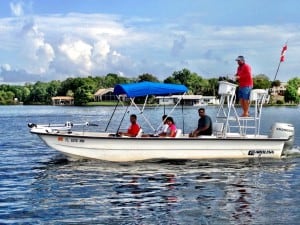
{"x":244,"y":78}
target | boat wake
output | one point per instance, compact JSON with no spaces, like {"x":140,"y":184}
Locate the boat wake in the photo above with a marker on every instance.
{"x":293,"y":152}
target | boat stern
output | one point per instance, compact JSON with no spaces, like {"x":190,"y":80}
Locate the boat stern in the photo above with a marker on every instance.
{"x":284,"y":130}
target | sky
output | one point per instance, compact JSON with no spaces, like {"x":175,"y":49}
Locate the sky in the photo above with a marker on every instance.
{"x":57,"y":39}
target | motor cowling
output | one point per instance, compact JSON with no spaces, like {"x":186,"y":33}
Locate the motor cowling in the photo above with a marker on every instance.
{"x":283,"y":130}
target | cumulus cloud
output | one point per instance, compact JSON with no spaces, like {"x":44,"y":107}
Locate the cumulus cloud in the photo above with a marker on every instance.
{"x":101,"y":49}
{"x":35,"y":49}
{"x":77,"y":53}
{"x":100,"y":55}
{"x":58,"y":46}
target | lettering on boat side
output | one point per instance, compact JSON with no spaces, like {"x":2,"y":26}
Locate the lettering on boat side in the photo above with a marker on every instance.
{"x":73,"y":140}
{"x":59,"y":138}
{"x":260,"y":152}
{"x":287,"y":130}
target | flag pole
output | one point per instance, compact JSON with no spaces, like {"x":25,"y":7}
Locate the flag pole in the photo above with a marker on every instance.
{"x":284,"y":48}
{"x":277,"y":70}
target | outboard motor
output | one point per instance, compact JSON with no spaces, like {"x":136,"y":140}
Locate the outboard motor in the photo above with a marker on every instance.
{"x":284,"y":130}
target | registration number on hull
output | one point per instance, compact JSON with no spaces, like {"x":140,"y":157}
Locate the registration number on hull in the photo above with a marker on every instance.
{"x":73,"y":140}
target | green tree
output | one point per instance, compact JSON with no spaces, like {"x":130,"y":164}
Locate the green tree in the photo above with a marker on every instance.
{"x":291,"y":93}
{"x":261,"y":81}
{"x":276,"y":83}
{"x":83,"y":95}
{"x":65,"y":86}
{"x":213,"y":87}
{"x":70,"y":93}
{"x":4,"y":87}
{"x":147,"y":77}
{"x":195,"y":83}
{"x":111,"y":79}
{"x":180,"y":77}
{"x":6,"y":97}
{"x":99,"y":81}
{"x":39,"y":94}
{"x":25,"y":94}
{"x":20,"y":92}
{"x":53,"y":88}
{"x":171,"y":80}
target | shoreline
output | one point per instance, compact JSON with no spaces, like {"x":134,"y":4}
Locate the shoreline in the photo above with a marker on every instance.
{"x":147,"y":105}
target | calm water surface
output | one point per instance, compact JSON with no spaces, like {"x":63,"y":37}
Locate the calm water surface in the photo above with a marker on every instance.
{"x":39,"y":186}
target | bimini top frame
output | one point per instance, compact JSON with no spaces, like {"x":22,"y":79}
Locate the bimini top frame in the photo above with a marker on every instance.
{"x":144,"y":89}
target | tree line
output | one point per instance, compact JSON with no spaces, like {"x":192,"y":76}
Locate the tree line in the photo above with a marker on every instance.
{"x":83,"y":88}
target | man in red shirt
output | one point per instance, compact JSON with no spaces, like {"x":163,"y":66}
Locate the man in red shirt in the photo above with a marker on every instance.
{"x":244,"y":78}
{"x":134,"y":128}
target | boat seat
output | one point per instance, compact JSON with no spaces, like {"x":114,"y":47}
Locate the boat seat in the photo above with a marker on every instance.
{"x":139,"y":133}
{"x":258,"y":94}
{"x":178,"y":133}
{"x":217,"y":128}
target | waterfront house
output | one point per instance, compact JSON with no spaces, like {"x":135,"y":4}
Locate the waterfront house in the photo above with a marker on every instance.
{"x":62,"y":100}
{"x":190,"y":100}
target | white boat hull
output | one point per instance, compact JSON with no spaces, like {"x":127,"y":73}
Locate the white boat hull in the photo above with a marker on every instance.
{"x":119,"y":149}
{"x":223,"y":145}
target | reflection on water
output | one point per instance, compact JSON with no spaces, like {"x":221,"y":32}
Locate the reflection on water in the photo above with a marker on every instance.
{"x":188,"y":192}
{"x":154,"y":192}
{"x":39,"y":186}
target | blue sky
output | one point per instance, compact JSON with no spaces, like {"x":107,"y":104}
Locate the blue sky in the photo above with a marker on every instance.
{"x":56,"y":39}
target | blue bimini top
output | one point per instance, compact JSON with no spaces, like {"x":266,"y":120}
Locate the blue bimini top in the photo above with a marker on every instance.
{"x":149,"y":88}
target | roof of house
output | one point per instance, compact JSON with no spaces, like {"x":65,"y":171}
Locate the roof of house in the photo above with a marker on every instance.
{"x":62,"y":97}
{"x":103,"y":91}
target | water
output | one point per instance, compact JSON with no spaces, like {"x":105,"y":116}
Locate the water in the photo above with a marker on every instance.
{"x":39,"y":186}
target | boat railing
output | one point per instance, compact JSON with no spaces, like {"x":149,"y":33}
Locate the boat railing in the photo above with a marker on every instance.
{"x":68,"y":127}
{"x":227,"y":113}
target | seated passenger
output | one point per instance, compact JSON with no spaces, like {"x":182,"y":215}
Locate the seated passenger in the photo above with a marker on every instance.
{"x":171,"y":132}
{"x":162,"y":131}
{"x":204,"y":125}
{"x":134,"y":128}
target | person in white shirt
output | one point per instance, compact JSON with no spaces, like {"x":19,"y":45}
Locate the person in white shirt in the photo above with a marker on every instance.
{"x":163,"y":128}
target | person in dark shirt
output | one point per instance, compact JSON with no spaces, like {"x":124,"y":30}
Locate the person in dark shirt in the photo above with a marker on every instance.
{"x":204,"y":125}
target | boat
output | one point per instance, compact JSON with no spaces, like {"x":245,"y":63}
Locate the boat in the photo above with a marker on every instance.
{"x":233,"y":136}
{"x":200,"y":104}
